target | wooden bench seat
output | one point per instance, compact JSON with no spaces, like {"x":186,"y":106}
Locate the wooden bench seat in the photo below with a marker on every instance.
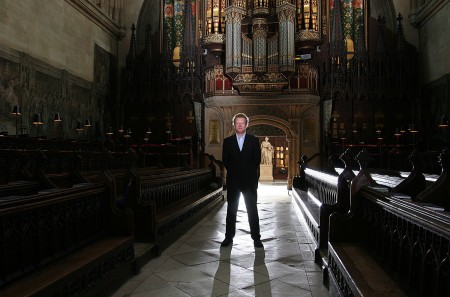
{"x":98,"y":260}
{"x":352,"y":269}
{"x":361,"y":273}
{"x":19,"y":188}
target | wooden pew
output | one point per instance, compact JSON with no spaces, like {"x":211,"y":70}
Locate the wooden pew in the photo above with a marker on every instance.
{"x":25,"y":172}
{"x":317,"y":195}
{"x":345,"y":238}
{"x":67,"y":242}
{"x":165,"y":205}
{"x":18,"y":173}
{"x":387,"y":246}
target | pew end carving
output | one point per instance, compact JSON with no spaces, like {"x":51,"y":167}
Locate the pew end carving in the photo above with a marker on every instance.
{"x":415,"y":183}
{"x":344,"y":226}
{"x":439,"y":192}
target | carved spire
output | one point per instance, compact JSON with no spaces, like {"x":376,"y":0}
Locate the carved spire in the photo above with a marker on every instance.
{"x":148,"y":43}
{"x":361,"y":49}
{"x":130,"y":72}
{"x":381,"y":21}
{"x":188,"y":51}
{"x":337,"y":42}
{"x":360,"y":62}
{"x":132,"y":51}
{"x":400,"y":36}
{"x":337,"y":49}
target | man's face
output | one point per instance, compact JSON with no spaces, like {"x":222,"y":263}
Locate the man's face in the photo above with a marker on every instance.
{"x":240,"y":124}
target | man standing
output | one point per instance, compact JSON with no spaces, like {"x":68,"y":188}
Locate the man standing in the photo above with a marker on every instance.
{"x":241,"y":156}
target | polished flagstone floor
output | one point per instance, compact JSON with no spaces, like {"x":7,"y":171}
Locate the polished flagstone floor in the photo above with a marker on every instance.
{"x":196,"y":265}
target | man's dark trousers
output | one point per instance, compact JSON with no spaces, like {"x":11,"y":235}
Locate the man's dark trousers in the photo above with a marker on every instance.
{"x":250,"y":197}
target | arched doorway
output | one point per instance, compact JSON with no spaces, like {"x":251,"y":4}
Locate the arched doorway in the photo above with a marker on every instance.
{"x":292,"y":141}
{"x":280,"y":150}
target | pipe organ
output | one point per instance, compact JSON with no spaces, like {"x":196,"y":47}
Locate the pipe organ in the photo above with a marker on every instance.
{"x":257,"y":40}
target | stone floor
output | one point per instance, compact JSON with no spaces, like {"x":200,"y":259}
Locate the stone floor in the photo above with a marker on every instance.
{"x":196,"y":265}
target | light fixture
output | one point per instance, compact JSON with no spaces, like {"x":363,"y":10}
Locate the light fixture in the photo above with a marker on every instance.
{"x":190,"y":117}
{"x":57,"y":117}
{"x":37,"y":121}
{"x":147,"y":135}
{"x":87,"y":123}
{"x":16,"y":113}
{"x":397,"y":134}
{"x":110,"y":132}
{"x":79,"y":127}
{"x":335,"y":114}
{"x":350,"y":47}
{"x":443,"y":123}
{"x":176,"y":56}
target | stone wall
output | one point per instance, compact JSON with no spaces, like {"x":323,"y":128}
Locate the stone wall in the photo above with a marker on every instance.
{"x":57,"y":57}
{"x":54,"y":32}
{"x":434,"y":35}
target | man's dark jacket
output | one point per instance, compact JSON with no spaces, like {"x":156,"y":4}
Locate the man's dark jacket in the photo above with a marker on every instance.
{"x":242,"y":166}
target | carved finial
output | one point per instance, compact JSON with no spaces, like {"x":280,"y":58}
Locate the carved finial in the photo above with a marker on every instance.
{"x":361,"y":41}
{"x":303,"y":163}
{"x":416,"y":161}
{"x":346,"y":157}
{"x":444,"y":160}
{"x":400,"y":36}
{"x":132,"y":51}
{"x":304,"y":158}
{"x":364,"y":159}
{"x":380,"y":33}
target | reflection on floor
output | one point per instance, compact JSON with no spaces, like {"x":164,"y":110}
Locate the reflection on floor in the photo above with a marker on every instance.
{"x":197,"y":266}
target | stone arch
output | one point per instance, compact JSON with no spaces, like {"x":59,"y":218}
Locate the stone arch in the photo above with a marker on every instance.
{"x":272,"y":121}
{"x":387,"y":10}
{"x":291,"y":136}
{"x":148,"y":15}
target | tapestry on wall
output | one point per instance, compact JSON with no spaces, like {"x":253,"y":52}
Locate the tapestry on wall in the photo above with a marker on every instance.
{"x":39,"y":88}
{"x":9,"y":94}
{"x":105,"y":65}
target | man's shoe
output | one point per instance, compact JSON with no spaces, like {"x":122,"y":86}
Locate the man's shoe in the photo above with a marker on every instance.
{"x":258,"y":244}
{"x":226,"y":242}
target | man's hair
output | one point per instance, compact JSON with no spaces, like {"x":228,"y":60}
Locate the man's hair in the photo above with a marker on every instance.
{"x":241,"y":115}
